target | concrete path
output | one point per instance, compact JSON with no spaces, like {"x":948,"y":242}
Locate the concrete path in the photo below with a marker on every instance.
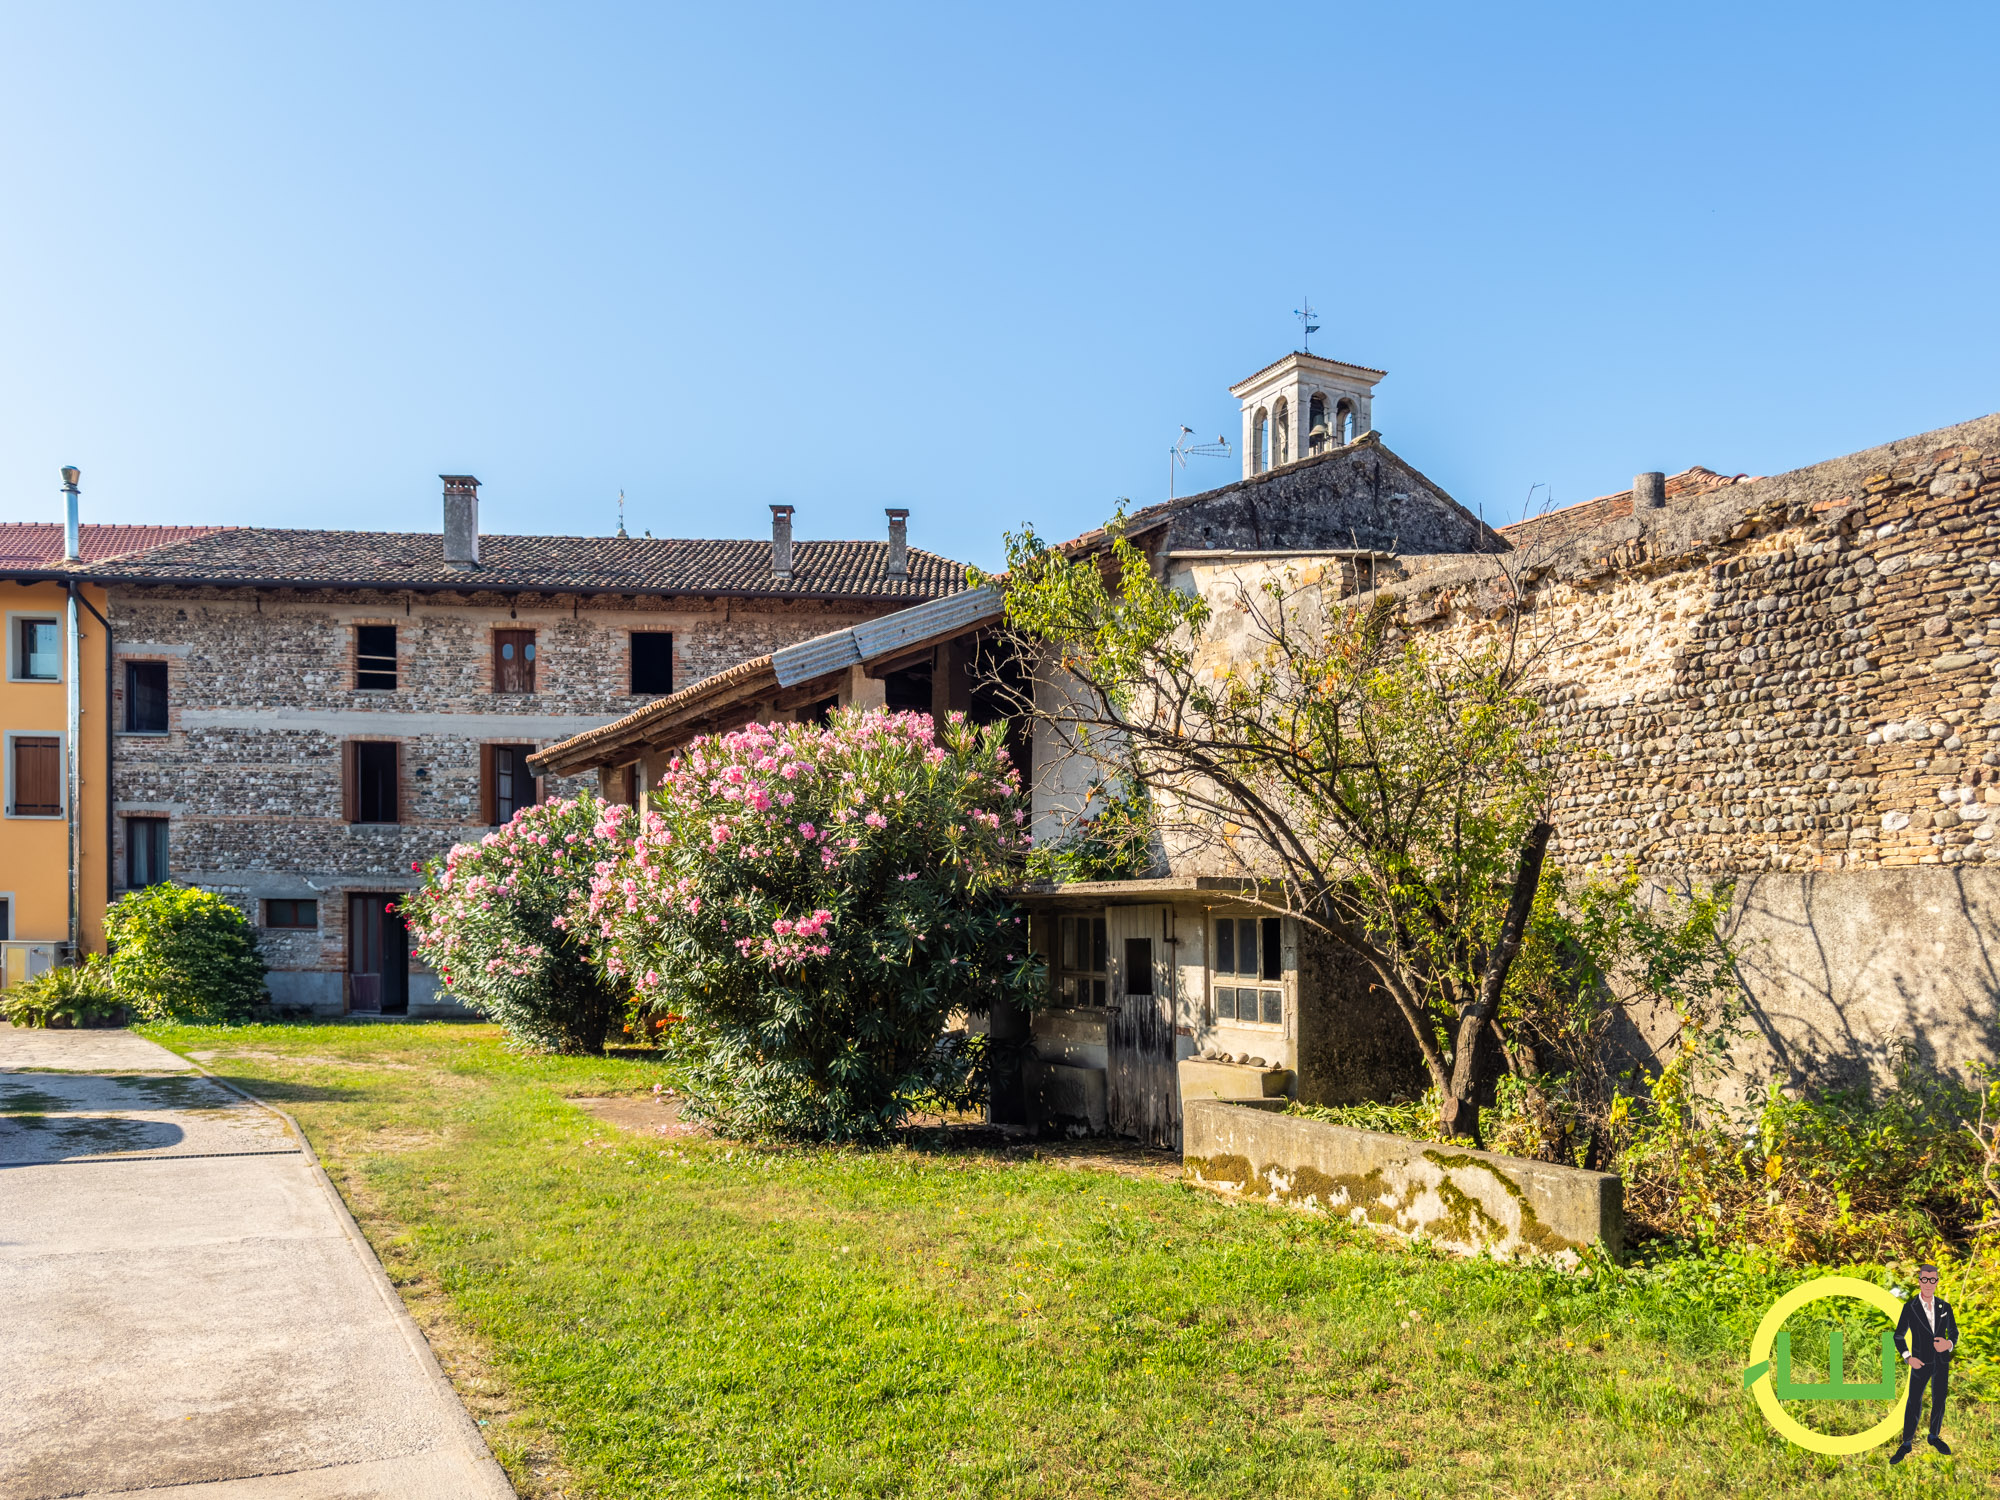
{"x":186,"y":1306}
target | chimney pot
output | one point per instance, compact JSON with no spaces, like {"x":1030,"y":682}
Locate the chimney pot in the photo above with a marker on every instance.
{"x":899,"y":542}
{"x":781,"y":541}
{"x":461,"y":520}
{"x":1649,"y":491}
{"x":72,"y":532}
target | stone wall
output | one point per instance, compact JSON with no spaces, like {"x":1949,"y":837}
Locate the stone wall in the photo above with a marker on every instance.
{"x":261,"y":696}
{"x":1361,"y":496}
{"x":1787,"y":684}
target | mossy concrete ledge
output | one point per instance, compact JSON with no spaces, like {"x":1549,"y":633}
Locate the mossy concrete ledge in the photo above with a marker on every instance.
{"x":1470,"y":1201}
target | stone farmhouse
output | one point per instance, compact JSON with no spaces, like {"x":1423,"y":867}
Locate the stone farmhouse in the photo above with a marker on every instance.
{"x":1783,"y":682}
{"x":302,"y":717}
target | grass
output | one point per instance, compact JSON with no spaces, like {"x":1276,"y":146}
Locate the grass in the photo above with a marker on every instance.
{"x":692,"y":1317}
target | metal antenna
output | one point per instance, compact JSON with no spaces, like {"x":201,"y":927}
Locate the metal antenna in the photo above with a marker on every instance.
{"x":1183,"y":450}
{"x":621,"y":513}
{"x":1305,"y":315}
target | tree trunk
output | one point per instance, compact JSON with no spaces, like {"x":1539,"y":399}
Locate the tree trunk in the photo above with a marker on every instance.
{"x":1461,"y":1101}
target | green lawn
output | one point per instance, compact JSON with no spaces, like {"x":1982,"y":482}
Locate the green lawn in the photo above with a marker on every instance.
{"x":693,"y":1317}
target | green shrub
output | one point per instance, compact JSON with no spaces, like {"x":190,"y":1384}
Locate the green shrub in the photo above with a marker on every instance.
{"x":182,"y":954}
{"x":73,"y":995}
{"x":494,"y":919}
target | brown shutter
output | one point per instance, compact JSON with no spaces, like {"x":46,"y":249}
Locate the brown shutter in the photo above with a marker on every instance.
{"x":396,"y":783}
{"x":350,"y":801}
{"x":489,"y":805}
{"x":37,"y":776}
{"x":513,"y":671}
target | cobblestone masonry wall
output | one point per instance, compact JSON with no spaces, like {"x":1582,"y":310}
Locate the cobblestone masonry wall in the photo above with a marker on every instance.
{"x":261,"y":696}
{"x":1789,"y":683}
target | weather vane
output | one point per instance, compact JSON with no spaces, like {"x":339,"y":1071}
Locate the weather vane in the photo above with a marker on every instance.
{"x":1305,"y":315}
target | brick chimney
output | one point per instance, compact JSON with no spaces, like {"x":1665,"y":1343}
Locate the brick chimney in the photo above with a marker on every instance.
{"x":899,"y":543}
{"x":461,"y":520}
{"x":1649,"y":491}
{"x":781,"y":541}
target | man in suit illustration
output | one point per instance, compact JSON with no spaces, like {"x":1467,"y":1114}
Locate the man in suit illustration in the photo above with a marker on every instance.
{"x":1932,"y":1331}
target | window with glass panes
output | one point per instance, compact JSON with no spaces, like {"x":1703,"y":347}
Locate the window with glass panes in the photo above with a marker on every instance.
{"x":1249,"y":971}
{"x":1082,"y":961}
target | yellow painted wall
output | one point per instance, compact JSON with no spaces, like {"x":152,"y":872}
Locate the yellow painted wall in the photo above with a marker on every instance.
{"x":34,"y":851}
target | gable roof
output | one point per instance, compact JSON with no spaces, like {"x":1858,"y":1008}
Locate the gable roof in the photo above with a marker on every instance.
{"x":270,"y":557}
{"x":38,"y":545}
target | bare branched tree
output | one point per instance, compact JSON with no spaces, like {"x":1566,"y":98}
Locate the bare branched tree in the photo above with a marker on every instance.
{"x":1387,"y":788}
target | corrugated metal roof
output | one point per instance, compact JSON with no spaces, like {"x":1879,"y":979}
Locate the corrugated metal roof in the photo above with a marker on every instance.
{"x":906,"y":627}
{"x":816,"y":657}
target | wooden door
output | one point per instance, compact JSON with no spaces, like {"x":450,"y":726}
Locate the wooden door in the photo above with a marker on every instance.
{"x":378,"y":955}
{"x":1144,"y":1081}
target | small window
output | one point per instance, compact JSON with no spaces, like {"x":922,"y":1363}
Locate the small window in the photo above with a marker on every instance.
{"x":652,"y":661}
{"x":375,"y":656}
{"x":1249,"y":950}
{"x":145,"y":697}
{"x":1082,"y":960}
{"x":37,"y":651}
{"x":513,"y":661}
{"x":6,"y":918}
{"x":1138,"y":966}
{"x":289,"y":913}
{"x":35,"y":777}
{"x":145,"y":852}
{"x":373,"y":777}
{"x":510,"y":785}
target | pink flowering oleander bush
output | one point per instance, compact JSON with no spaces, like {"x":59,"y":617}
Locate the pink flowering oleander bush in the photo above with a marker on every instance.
{"x":810,"y":905}
{"x":501,"y":923}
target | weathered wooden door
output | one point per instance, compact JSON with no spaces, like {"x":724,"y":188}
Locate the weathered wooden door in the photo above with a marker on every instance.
{"x":378,"y":956}
{"x":1144,"y":1081}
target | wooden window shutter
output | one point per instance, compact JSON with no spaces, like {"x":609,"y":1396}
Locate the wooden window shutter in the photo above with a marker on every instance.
{"x":489,"y":807}
{"x":396,"y":783}
{"x":514,"y":661}
{"x":350,"y":800}
{"x":37,"y":776}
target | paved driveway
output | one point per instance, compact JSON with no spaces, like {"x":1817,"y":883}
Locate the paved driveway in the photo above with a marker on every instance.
{"x":185,"y":1305}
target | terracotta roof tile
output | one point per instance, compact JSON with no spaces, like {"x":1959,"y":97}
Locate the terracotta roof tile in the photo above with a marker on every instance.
{"x":39,"y":544}
{"x":647,"y":565}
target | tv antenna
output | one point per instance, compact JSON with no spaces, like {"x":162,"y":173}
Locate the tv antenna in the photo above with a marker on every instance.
{"x":1183,"y":450}
{"x":1305,"y":314}
{"x":621,"y":513}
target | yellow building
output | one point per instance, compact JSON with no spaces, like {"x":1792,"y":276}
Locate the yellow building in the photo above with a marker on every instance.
{"x":55,"y":816}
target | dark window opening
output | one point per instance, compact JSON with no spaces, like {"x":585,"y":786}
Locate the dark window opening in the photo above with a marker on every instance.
{"x":145,"y":697}
{"x":1082,"y":957}
{"x":290,"y":913}
{"x":1273,"y":953}
{"x":6,"y":919}
{"x":145,"y":852}
{"x":513,"y":661}
{"x":513,"y":783}
{"x":35,"y":783}
{"x":375,"y":781}
{"x":1138,"y":966}
{"x":375,"y":656}
{"x":652,"y":661}
{"x":820,"y":712}
{"x":908,"y":691}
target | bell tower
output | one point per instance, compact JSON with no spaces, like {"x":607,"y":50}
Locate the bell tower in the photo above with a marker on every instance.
{"x":1302,"y":405}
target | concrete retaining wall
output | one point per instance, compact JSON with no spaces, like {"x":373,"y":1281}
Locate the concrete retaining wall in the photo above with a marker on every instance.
{"x":1470,"y":1201}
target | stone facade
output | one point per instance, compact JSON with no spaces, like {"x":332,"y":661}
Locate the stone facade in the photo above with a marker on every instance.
{"x":262,"y":697}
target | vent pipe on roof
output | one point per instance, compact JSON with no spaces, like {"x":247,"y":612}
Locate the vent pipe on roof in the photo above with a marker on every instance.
{"x":781,"y":541}
{"x":72,"y":549}
{"x":461,"y":520}
{"x":1649,"y":491}
{"x":899,"y":543}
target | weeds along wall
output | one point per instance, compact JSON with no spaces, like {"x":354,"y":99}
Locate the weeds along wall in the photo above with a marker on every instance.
{"x":1787,"y":683}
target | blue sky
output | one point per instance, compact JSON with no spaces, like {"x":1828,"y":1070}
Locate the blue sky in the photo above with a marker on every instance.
{"x":285,"y":264}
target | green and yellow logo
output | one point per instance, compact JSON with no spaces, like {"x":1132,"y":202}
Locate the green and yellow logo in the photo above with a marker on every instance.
{"x":1770,"y":1374}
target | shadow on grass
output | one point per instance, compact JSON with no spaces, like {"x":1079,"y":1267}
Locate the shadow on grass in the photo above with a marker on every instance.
{"x":277,"y":1091}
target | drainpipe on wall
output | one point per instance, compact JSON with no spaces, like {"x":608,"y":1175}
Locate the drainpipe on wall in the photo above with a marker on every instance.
{"x":73,"y":693}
